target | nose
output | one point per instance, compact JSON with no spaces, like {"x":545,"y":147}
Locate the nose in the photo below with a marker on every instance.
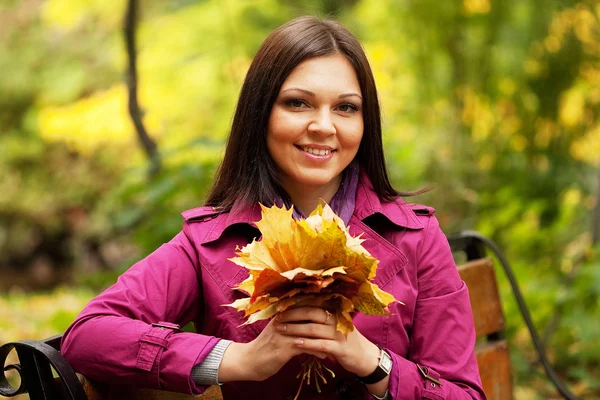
{"x":322,"y":124}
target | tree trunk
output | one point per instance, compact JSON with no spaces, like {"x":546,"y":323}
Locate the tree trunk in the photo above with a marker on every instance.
{"x":148,"y":145}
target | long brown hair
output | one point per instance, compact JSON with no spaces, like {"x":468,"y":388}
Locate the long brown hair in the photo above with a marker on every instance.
{"x":247,"y":172}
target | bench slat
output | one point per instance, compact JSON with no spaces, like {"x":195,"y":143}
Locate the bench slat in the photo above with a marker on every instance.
{"x":494,"y":367}
{"x":480,"y":278}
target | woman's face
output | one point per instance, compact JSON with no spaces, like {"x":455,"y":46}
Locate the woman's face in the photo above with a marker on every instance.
{"x":316,"y":123}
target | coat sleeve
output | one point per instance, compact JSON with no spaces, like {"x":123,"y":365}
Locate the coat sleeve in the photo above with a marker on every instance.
{"x":113,"y":339}
{"x":443,"y":336}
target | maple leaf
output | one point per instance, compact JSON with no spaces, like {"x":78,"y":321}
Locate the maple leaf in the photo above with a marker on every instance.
{"x":310,"y":262}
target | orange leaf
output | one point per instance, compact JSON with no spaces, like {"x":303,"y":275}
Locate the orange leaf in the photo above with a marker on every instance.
{"x":267,"y":282}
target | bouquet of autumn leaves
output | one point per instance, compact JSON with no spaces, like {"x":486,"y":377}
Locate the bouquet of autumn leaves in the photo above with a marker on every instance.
{"x":309,"y":262}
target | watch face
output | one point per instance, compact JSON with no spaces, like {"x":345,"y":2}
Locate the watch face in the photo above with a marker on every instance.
{"x":386,"y":362}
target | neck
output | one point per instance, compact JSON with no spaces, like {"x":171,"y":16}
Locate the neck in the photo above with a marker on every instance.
{"x":307,"y":198}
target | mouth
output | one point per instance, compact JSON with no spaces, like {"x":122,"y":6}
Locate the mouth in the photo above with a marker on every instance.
{"x":315,"y":151}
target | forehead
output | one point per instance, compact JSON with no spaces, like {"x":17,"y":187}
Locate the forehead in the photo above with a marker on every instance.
{"x":334,"y":72}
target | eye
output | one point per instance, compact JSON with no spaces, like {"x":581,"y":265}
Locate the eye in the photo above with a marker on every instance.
{"x":348,"y":108}
{"x":295,"y":103}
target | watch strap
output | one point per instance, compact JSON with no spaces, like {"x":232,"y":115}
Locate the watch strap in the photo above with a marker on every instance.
{"x":379,"y":373}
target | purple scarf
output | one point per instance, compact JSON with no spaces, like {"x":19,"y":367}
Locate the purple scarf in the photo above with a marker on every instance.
{"x":344,"y":200}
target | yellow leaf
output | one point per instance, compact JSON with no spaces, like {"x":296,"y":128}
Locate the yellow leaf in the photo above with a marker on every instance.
{"x":313,"y":272}
{"x":255,"y":256}
{"x":240,"y":304}
{"x":344,"y":319}
{"x":371,"y":300}
{"x":313,"y":262}
{"x":264,"y":314}
{"x":334,"y":270}
{"x":262,"y":303}
{"x":320,"y":249}
{"x":382,"y":296}
{"x":278,"y":228}
{"x":360,"y":267}
{"x":248,"y":284}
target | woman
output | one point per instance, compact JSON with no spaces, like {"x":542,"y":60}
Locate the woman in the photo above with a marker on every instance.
{"x":307,"y":127}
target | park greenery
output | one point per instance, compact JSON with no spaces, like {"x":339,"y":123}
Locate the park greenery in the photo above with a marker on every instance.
{"x":493,"y":103}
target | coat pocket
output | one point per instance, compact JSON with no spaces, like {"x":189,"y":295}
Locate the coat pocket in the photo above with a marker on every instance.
{"x":232,"y":290}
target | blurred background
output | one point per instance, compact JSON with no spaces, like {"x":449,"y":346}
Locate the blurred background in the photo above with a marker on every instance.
{"x":495,"y":103}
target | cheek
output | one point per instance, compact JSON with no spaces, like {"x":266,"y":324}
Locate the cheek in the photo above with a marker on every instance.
{"x":280,"y":136}
{"x":284,"y":127}
{"x":273,"y":132}
{"x":353,"y":136}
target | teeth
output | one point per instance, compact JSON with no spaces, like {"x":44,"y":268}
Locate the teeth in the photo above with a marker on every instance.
{"x":317,"y":152}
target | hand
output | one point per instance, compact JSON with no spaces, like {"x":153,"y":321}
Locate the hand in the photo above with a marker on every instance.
{"x":262,"y":357}
{"x":314,"y":331}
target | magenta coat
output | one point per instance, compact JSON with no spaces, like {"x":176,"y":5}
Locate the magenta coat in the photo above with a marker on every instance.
{"x":190,"y":278}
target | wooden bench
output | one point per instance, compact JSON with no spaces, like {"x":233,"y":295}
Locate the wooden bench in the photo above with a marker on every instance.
{"x":491,"y":350}
{"x":38,"y":359}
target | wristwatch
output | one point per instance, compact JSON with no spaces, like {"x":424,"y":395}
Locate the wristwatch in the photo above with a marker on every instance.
{"x":383,"y":369}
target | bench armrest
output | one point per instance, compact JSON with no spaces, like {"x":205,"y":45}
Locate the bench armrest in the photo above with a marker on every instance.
{"x":37,"y":360}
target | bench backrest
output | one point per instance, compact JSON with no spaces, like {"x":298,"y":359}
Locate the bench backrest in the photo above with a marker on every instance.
{"x":491,"y":350}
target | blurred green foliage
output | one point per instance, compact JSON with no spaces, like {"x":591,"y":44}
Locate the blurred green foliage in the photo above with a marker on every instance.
{"x":495,"y":103}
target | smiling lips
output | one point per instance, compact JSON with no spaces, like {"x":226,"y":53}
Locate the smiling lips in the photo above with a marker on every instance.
{"x":316,"y":151}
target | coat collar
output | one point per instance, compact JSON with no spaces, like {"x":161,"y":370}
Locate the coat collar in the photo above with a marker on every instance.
{"x":367,"y":204}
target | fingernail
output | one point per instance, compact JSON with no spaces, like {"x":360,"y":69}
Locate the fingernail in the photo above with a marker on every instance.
{"x":299,"y":342}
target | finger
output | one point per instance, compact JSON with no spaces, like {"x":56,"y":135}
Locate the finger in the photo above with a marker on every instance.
{"x":314,"y":314}
{"x":329,"y":347}
{"x":309,"y":330}
{"x":296,"y":350}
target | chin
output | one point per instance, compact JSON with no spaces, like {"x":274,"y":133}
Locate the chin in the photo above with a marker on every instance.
{"x":316,"y":180}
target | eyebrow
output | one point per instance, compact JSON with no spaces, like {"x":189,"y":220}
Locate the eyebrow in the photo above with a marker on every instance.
{"x":308,"y":92}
